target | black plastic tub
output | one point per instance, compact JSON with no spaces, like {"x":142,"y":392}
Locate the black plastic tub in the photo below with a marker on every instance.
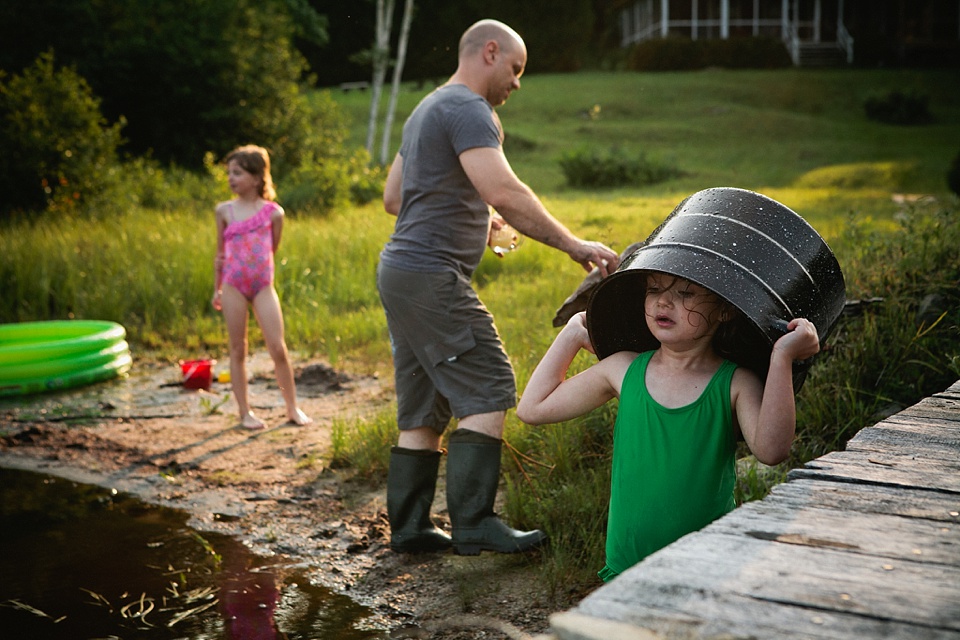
{"x":749,"y":249}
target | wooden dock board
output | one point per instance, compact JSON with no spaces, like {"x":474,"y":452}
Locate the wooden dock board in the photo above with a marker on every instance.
{"x":863,"y":543}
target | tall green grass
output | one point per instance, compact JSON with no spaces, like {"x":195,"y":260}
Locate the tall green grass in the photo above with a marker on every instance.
{"x":152,"y":271}
{"x":800,"y":137}
{"x":899,"y":350}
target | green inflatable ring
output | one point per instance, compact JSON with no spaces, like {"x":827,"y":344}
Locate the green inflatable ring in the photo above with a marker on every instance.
{"x":118,"y":366}
{"x":56,"y":367}
{"x":23,"y":342}
{"x":60,"y":354}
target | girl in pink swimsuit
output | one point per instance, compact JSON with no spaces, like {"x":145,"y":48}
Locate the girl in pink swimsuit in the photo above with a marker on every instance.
{"x":248,"y":251}
{"x":248,"y":233}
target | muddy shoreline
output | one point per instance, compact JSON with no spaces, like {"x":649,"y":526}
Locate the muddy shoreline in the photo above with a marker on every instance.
{"x":146,"y":436}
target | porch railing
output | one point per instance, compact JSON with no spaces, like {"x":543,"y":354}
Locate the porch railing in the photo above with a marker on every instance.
{"x":845,"y":41}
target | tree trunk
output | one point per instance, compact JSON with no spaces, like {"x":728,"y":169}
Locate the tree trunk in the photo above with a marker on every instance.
{"x":397,"y":73}
{"x":381,"y":59}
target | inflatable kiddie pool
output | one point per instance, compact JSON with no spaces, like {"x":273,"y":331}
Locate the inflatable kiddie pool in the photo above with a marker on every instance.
{"x":60,"y":354}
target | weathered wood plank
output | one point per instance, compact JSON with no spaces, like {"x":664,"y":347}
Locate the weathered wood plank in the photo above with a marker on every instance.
{"x":805,"y":583}
{"x":943,"y":408}
{"x":953,"y":391}
{"x":881,"y":536}
{"x":867,"y":498}
{"x":691,"y":614}
{"x":883,"y":468}
{"x":910,"y":438}
{"x":937,"y":428}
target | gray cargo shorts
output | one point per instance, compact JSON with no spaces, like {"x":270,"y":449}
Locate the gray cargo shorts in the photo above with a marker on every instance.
{"x":447,"y":354}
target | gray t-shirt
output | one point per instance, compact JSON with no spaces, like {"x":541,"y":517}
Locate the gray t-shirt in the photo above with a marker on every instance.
{"x":443,"y":222}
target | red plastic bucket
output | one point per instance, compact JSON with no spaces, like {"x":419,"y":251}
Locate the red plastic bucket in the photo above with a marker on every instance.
{"x":197,"y":374}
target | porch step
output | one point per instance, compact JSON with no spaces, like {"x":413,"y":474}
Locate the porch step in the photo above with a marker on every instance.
{"x":821,"y":55}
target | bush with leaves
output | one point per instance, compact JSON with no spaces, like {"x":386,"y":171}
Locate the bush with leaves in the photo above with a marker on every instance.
{"x":953,"y":175}
{"x":324,"y":184}
{"x":748,"y":53}
{"x":899,"y":107}
{"x":614,"y":168}
{"x":667,"y":54}
{"x":189,"y":77}
{"x":58,"y":149}
{"x":683,"y":54}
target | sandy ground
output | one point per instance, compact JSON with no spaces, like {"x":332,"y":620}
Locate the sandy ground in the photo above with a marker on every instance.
{"x":273,"y":489}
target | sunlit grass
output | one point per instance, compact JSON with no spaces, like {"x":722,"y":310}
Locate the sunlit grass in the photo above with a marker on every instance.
{"x":154,"y":274}
{"x":364,"y":444}
{"x":751,"y":129}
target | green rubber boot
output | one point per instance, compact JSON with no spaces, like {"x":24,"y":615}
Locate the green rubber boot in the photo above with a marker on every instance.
{"x":473,"y":473}
{"x":411,"y":483}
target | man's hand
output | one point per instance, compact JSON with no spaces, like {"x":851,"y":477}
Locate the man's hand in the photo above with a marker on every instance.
{"x":595,"y":254}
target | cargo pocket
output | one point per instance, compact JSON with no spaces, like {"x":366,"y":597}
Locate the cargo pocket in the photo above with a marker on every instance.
{"x":451,"y":347}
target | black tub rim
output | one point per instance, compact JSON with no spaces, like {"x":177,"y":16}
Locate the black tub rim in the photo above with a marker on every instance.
{"x":765,"y":315}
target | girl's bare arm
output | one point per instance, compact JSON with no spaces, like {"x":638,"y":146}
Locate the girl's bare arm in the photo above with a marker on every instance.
{"x":552,"y":397}
{"x":767,"y":413}
{"x":277,"y":220}
{"x":218,"y":258}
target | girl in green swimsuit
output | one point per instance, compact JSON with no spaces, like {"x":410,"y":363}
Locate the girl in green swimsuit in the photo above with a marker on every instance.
{"x":682,"y":408}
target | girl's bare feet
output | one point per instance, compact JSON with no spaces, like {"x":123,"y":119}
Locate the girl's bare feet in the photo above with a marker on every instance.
{"x":251,"y":422}
{"x":300,"y":419}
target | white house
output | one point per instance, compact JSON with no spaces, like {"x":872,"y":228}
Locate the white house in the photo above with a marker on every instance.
{"x":815,"y":32}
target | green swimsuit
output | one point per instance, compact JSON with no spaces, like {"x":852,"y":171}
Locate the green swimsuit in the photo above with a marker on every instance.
{"x":673,"y":471}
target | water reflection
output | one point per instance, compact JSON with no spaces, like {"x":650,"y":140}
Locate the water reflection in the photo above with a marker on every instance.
{"x":82,"y":562}
{"x":248,"y":600}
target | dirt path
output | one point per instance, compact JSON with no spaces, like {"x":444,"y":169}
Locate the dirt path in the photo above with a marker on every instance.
{"x":147,"y":436}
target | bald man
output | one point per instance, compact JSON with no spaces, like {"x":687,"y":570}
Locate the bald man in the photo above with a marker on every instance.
{"x":448,"y":357}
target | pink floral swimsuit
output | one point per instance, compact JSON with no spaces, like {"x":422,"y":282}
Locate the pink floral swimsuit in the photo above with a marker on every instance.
{"x":248,"y":252}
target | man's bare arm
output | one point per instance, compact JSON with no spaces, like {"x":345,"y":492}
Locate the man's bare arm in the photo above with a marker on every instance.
{"x":491,"y":174}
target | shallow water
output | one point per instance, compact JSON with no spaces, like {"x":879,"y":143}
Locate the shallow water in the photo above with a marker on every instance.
{"x":81,"y":562}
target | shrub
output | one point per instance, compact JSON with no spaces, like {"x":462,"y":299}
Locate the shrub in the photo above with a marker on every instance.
{"x":313,"y":169}
{"x":667,"y":54}
{"x":366,"y":182}
{"x":326,"y":183}
{"x":58,"y":149}
{"x":683,"y":54}
{"x":898,"y":107}
{"x":145,"y":183}
{"x":614,"y":168}
{"x":189,"y":77}
{"x":307,"y":129}
{"x":953,"y":175}
{"x":748,"y":53}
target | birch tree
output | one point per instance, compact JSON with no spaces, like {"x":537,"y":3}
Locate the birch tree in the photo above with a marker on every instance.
{"x":397,"y":74}
{"x":381,"y":60}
